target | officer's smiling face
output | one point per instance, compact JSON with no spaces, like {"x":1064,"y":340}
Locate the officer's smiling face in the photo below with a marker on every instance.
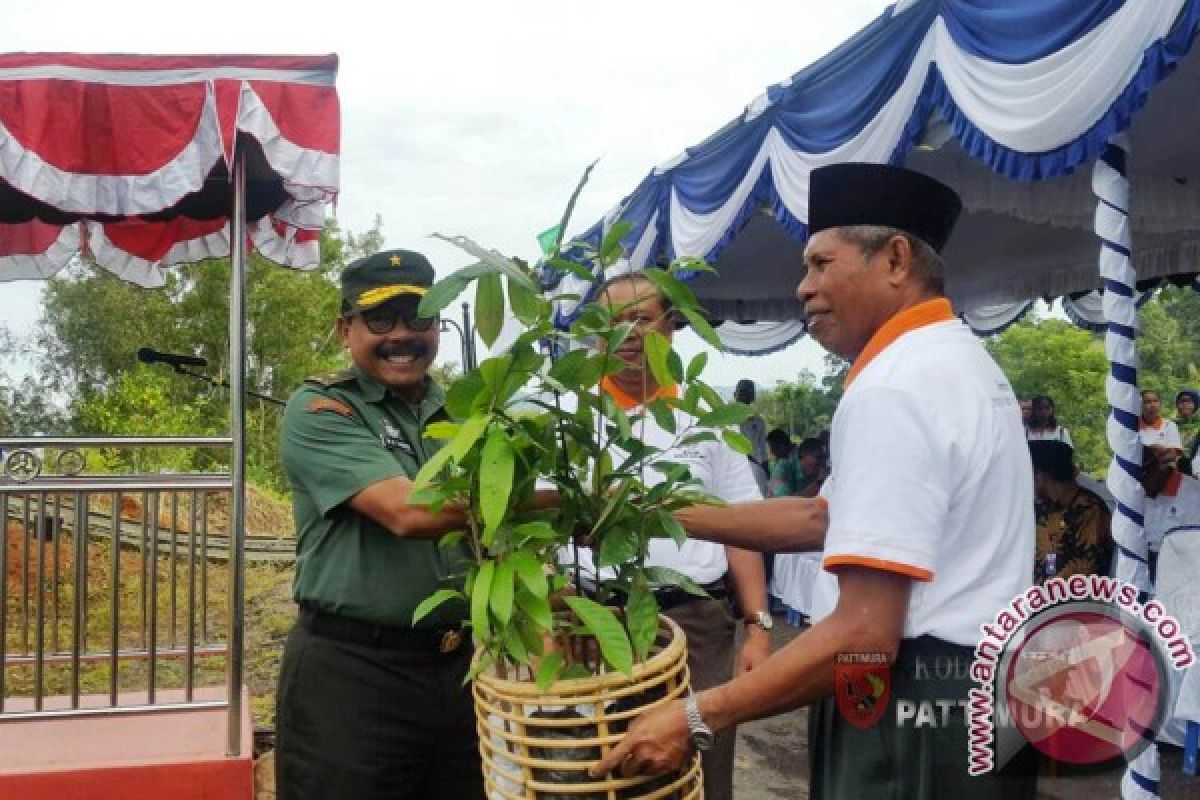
{"x":398,"y":358}
{"x":845,"y":294}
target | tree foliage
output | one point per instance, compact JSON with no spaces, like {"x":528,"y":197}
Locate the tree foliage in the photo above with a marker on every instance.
{"x":93,"y":325}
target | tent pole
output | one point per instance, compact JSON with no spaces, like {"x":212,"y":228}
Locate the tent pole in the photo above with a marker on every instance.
{"x":1111,"y":186}
{"x":1110,"y":183}
{"x":237,"y":405}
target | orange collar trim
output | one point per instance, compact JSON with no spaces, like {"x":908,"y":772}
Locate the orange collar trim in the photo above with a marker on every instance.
{"x":906,"y":321}
{"x":627,"y":401}
{"x":1171,"y":487}
{"x":1143,"y":425}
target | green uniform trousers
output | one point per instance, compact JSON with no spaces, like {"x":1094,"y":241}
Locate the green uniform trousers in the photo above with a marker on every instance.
{"x":357,"y":722}
{"x":912,"y":756}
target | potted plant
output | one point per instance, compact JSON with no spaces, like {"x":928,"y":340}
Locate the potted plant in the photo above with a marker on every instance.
{"x":563,"y":664}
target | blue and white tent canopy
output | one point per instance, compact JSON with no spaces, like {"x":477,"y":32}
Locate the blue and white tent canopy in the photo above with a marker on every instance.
{"x":1003,"y":101}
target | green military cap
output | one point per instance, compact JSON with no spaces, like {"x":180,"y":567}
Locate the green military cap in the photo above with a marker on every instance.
{"x":389,"y":273}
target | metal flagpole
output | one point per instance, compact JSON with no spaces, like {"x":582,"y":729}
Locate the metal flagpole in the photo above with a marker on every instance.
{"x":237,"y":406}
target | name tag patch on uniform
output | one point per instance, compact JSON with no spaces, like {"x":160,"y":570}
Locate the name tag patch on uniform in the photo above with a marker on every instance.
{"x":392,"y":439}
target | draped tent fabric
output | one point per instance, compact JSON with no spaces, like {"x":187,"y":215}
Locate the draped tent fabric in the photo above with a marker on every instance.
{"x":129,"y":157}
{"x":1003,"y":101}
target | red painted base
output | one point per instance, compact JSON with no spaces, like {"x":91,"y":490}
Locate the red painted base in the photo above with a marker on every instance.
{"x":175,"y":755}
{"x":230,"y":779}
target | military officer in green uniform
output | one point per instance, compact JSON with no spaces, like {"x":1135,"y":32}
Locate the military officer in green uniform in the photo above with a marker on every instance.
{"x":369,"y":705}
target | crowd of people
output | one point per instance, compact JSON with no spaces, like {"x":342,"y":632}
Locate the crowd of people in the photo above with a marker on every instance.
{"x":906,"y":527}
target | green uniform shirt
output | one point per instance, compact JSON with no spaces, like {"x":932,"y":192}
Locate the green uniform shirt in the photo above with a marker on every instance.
{"x":342,"y":433}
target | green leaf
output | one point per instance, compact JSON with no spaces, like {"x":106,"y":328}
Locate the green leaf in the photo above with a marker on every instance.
{"x":675,"y":290}
{"x":566,"y":217}
{"x":495,"y":481}
{"x":691,"y":264}
{"x":549,"y":670}
{"x":617,"y":546}
{"x":578,"y":270}
{"x":515,"y":645}
{"x":480,"y":597}
{"x":442,"y":430}
{"x":526,"y":305}
{"x":603,"y":624}
{"x":576,"y":671}
{"x":430,"y":469}
{"x":675,"y":366}
{"x":489,"y":307}
{"x":452,"y":539}
{"x":537,"y":609}
{"x":665,"y":576}
{"x":702,"y":328}
{"x":433,"y":601}
{"x":728,"y":414}
{"x":468,"y":434}
{"x":442,"y":294}
{"x":530,"y":572}
{"x":535,"y":530}
{"x":567,"y":369}
{"x":672,"y":527}
{"x":663,"y":415}
{"x":501,"y":600}
{"x":657,"y":347}
{"x":462,"y":395}
{"x":610,"y":247}
{"x":738,"y":442}
{"x":641,"y":617}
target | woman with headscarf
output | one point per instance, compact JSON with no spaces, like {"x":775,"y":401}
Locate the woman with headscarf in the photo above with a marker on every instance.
{"x":1187,"y":402}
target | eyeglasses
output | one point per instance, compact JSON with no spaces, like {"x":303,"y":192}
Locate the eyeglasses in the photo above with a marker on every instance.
{"x":383,"y":318}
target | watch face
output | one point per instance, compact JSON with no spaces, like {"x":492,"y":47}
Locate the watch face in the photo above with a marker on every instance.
{"x":703,"y":739}
{"x":763,"y":620}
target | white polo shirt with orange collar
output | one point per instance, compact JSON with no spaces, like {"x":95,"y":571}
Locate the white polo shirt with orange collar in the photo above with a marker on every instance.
{"x":1163,"y":433}
{"x":719,"y":470}
{"x":931,"y":476}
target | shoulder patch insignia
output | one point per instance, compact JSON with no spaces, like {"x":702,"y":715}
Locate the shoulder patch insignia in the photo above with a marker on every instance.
{"x":318,"y":404}
{"x":331,"y":378}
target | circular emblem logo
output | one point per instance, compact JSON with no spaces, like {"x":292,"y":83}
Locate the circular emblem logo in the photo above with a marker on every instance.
{"x":1086,"y":684}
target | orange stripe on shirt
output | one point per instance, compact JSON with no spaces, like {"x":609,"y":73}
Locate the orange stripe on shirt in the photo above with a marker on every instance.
{"x":916,"y":573}
{"x":908,"y":320}
{"x":627,"y":401}
{"x":1143,"y":425}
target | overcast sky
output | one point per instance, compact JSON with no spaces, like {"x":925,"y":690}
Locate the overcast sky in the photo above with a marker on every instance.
{"x":478,"y":117}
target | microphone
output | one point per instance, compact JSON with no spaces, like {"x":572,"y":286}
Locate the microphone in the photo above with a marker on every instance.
{"x":150,"y":356}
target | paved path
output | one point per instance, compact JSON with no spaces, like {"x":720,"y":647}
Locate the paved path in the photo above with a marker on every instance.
{"x":772,"y":762}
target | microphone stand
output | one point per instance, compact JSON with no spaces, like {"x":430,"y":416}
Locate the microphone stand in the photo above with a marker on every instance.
{"x":225,"y":385}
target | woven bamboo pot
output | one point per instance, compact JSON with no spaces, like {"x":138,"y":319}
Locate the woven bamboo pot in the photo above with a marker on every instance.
{"x":538,"y":745}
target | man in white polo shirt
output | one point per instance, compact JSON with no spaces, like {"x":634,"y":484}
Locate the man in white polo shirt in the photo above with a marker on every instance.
{"x":721,"y":472}
{"x":930,"y":511}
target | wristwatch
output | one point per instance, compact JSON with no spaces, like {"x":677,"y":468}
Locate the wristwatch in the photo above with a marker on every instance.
{"x":762,"y":619}
{"x":702,"y":735}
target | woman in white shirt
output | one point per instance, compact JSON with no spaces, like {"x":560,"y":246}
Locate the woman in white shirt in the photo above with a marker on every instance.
{"x":1043,"y":425}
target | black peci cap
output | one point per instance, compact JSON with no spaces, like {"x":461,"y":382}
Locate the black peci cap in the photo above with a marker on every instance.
{"x":840,"y":195}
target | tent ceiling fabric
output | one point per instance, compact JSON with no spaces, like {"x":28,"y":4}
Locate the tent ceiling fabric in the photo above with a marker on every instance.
{"x":1007,"y":104}
{"x":130,"y":157}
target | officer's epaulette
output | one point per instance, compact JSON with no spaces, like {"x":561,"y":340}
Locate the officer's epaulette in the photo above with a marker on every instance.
{"x":331,"y":378}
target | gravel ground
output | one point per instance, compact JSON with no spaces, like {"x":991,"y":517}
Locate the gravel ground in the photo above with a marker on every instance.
{"x":772,"y":761}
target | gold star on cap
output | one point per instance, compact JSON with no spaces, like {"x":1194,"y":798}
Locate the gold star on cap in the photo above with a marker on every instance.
{"x":396,"y":261}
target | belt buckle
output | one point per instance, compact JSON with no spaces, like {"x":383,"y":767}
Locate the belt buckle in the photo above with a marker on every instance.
{"x":451,"y":641}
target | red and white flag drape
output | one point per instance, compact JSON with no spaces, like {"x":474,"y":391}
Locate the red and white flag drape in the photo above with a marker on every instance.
{"x":120,"y":155}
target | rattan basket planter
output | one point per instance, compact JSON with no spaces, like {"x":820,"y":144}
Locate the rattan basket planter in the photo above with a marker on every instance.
{"x":537,"y":745}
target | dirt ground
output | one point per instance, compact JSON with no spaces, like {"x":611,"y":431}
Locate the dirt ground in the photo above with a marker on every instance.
{"x":772,"y":762}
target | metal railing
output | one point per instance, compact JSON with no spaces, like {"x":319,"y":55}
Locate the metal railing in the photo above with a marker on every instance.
{"x":110,"y":600}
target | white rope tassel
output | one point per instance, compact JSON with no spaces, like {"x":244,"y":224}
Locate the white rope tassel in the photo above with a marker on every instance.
{"x":1111,"y":186}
